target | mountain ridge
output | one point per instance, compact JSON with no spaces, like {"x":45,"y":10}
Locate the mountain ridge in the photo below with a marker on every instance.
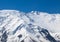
{"x":18,"y":26}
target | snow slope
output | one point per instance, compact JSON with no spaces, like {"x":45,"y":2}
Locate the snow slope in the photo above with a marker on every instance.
{"x":16,"y":26}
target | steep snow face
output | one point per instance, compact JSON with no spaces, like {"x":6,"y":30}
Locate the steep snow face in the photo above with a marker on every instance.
{"x":35,"y":26}
{"x":10,"y":23}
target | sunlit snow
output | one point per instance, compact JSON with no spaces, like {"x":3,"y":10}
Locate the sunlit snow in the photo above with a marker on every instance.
{"x":16,"y":26}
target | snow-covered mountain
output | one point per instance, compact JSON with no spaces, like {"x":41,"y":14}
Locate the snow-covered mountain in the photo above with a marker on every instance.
{"x":16,"y":26}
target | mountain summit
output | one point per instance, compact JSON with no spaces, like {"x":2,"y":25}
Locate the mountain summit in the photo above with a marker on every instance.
{"x":16,"y":26}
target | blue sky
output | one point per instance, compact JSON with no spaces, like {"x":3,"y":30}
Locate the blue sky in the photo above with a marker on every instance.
{"x":50,"y":6}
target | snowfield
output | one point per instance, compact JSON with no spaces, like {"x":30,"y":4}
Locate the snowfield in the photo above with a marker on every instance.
{"x":16,"y":26}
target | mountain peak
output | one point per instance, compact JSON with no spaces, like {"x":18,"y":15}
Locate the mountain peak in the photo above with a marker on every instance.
{"x":34,"y":26}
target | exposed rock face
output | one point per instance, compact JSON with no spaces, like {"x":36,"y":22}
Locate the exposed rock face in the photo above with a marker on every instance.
{"x":17,"y":26}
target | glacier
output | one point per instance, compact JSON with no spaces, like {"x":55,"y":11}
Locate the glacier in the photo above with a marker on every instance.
{"x":34,"y":26}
